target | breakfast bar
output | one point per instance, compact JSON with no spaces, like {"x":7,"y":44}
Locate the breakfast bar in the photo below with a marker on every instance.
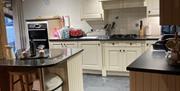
{"x":66,"y":63}
{"x":151,"y":72}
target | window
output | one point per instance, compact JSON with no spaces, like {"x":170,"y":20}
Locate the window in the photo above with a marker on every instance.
{"x":11,"y":36}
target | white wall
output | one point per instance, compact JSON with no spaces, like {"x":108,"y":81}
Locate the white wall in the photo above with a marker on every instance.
{"x":128,"y":18}
{"x":125,"y":24}
{"x":48,"y":8}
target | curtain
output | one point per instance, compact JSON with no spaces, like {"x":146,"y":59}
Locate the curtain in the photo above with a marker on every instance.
{"x":19,"y":24}
{"x":3,"y":39}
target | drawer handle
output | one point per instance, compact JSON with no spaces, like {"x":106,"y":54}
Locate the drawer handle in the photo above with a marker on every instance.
{"x":98,"y":44}
{"x":123,"y":50}
{"x":149,"y":12}
{"x":147,"y":44}
{"x":130,"y":43}
{"x":120,"y":50}
{"x":113,"y":43}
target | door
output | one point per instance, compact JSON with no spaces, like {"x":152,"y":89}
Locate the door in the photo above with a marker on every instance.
{"x":114,"y":58}
{"x":131,"y":55}
{"x":92,"y":55}
{"x":91,"y":9}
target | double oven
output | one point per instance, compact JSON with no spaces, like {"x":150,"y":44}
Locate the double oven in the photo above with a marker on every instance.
{"x":38,"y":33}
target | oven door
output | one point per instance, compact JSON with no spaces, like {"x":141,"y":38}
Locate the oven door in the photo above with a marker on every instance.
{"x":41,"y":42}
{"x":38,"y":34}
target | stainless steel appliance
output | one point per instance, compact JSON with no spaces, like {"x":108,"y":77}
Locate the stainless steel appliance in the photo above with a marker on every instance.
{"x":38,"y":34}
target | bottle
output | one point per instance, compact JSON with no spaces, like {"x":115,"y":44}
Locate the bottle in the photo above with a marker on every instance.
{"x":141,"y":31}
{"x":32,"y":48}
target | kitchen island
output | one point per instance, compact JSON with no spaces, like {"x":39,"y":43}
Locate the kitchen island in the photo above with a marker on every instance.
{"x":66,"y":63}
{"x":151,"y":72}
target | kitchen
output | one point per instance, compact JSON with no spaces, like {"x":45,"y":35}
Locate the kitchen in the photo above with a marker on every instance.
{"x":118,"y":32}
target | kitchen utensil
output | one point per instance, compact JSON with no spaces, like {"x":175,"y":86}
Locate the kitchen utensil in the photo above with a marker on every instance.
{"x":141,"y":31}
{"x":113,"y":24}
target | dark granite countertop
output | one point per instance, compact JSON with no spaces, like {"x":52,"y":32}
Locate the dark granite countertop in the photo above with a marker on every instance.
{"x":153,"y":62}
{"x":56,"y":56}
{"x":106,"y":38}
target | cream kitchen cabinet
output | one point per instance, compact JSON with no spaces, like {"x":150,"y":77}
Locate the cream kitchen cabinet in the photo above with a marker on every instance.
{"x":118,"y":55}
{"x":131,"y":54}
{"x":119,"y":4}
{"x":148,"y":44}
{"x":92,"y":10}
{"x":117,"y":59}
{"x":61,"y":44}
{"x":92,"y":55}
{"x":153,"y":7}
{"x":114,"y":59}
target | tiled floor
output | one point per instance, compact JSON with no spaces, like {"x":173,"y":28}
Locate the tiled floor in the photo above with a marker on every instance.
{"x":110,"y":83}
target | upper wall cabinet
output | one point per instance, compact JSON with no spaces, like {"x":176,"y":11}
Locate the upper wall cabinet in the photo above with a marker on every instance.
{"x":118,"y":4}
{"x":92,"y":10}
{"x":152,"y":7}
{"x":169,"y":12}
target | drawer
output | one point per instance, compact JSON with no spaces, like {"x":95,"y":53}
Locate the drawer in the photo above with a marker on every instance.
{"x":111,"y":43}
{"x":130,"y":43}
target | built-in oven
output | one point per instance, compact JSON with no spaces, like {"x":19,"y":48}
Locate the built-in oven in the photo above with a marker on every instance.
{"x":38,"y":33}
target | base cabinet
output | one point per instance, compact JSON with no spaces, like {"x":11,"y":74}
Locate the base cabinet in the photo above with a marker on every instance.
{"x":92,"y":55}
{"x":114,"y":59}
{"x":131,"y":54}
{"x":106,"y":56}
{"x":117,"y":59}
{"x":143,"y":81}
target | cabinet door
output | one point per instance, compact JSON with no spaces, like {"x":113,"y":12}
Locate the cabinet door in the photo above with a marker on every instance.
{"x":153,"y":7}
{"x":166,"y":12}
{"x":131,"y":55}
{"x":92,"y":9}
{"x":92,"y":55}
{"x":169,"y":12}
{"x":114,"y":59}
{"x":176,"y":13}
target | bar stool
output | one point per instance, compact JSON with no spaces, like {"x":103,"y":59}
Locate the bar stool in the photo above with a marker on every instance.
{"x":24,"y":78}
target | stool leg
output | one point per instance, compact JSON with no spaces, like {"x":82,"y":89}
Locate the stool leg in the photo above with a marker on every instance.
{"x":22,"y":83}
{"x":27,"y":82}
{"x":11,"y":83}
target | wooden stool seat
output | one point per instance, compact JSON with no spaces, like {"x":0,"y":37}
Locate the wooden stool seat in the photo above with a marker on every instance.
{"x":24,"y":78}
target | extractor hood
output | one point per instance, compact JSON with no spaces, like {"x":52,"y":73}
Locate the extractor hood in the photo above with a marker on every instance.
{"x":119,"y":4}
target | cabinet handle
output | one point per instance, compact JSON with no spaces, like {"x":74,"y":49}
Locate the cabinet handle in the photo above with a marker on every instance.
{"x":65,"y":45}
{"x":99,"y":44}
{"x":113,"y":43}
{"x":120,"y":50}
{"x":130,"y":43}
{"x":149,"y":11}
{"x":123,"y":50}
{"x":147,"y":44}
